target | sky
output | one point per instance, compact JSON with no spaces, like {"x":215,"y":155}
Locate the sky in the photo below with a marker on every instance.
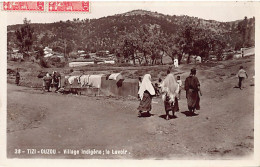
{"x":219,"y":11}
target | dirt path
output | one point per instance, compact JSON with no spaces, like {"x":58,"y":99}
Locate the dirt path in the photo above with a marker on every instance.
{"x":222,"y":129}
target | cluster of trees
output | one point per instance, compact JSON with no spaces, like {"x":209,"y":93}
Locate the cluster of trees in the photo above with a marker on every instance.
{"x":24,"y":37}
{"x":150,"y":43}
{"x":143,"y":39}
{"x":246,"y":30}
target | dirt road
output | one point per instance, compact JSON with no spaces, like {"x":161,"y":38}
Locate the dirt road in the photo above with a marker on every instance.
{"x":223,"y":128}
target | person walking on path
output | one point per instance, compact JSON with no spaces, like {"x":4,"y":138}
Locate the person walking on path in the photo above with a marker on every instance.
{"x":146,"y":91}
{"x":56,"y":80}
{"x":170,"y":91}
{"x":47,"y":82}
{"x":241,"y":76}
{"x":17,"y":77}
{"x":180,"y":86}
{"x":192,"y":87}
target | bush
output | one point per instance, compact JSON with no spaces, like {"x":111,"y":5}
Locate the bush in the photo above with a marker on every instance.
{"x":10,"y":71}
{"x":229,"y":56}
{"x":73,"y":55}
{"x":55,"y":59}
{"x":43,"y":63}
{"x":60,"y":65}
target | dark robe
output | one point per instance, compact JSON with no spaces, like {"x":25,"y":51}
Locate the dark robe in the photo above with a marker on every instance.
{"x":47,"y":81}
{"x":17,"y":78}
{"x":170,"y":106}
{"x":192,"y":92}
{"x":145,"y":103}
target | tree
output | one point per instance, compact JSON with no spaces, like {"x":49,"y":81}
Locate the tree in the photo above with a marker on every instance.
{"x":24,"y":36}
{"x":218,"y":48}
{"x":201,"y":47}
{"x":187,"y":45}
{"x":40,"y":52}
{"x":242,"y":28}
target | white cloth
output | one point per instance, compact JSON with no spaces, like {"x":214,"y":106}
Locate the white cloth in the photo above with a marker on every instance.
{"x":72,"y":78}
{"x":114,"y":76}
{"x":198,"y":59}
{"x":241,"y":73}
{"x":179,"y":83}
{"x":84,"y":80}
{"x":176,"y":64}
{"x":170,"y":87}
{"x":146,"y":85}
{"x":95,"y":80}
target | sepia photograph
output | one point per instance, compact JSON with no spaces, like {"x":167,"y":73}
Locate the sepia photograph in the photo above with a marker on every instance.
{"x":132,"y":80}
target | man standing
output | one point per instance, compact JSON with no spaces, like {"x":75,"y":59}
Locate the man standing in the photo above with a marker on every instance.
{"x":192,"y":87}
{"x":17,"y":77}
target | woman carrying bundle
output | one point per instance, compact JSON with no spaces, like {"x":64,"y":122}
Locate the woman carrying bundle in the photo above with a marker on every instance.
{"x":170,"y":91}
{"x":146,"y":91}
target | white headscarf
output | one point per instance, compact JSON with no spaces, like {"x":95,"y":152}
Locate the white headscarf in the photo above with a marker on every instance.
{"x":146,"y":85}
{"x":170,"y":87}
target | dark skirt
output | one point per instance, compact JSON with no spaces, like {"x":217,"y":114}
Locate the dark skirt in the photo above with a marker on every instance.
{"x":170,"y":106}
{"x":17,"y":80}
{"x":145,"y":103}
{"x":193,"y":99}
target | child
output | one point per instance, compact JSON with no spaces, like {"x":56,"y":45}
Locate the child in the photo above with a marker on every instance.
{"x":157,"y":87}
{"x":241,"y":76}
{"x":180,"y":86}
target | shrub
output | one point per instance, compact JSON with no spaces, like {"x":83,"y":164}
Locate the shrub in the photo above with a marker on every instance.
{"x":229,"y":56}
{"x":55,"y":59}
{"x":43,"y":63}
{"x":60,"y":65}
{"x":10,"y":71}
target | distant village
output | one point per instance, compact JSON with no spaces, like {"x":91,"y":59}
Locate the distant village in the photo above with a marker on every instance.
{"x":105,"y":57}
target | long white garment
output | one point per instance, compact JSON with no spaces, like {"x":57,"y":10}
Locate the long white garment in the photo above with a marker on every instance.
{"x":146,"y":85}
{"x":176,"y":64}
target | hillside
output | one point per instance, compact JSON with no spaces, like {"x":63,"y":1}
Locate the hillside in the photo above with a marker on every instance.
{"x":104,"y":33}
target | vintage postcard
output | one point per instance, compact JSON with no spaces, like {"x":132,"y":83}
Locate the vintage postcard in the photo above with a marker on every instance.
{"x":144,"y":82}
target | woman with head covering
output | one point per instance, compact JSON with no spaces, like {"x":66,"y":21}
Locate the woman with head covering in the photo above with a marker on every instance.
{"x":192,"y":87}
{"x":170,"y":91}
{"x":146,"y":91}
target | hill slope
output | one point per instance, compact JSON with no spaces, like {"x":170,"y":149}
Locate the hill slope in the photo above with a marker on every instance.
{"x":103,"y":33}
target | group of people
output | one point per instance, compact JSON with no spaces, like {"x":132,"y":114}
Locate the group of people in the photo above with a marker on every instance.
{"x":170,"y":89}
{"x":52,"y":81}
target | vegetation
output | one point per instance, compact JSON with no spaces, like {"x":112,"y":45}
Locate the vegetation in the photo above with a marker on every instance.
{"x":24,"y":36}
{"x":139,"y":36}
